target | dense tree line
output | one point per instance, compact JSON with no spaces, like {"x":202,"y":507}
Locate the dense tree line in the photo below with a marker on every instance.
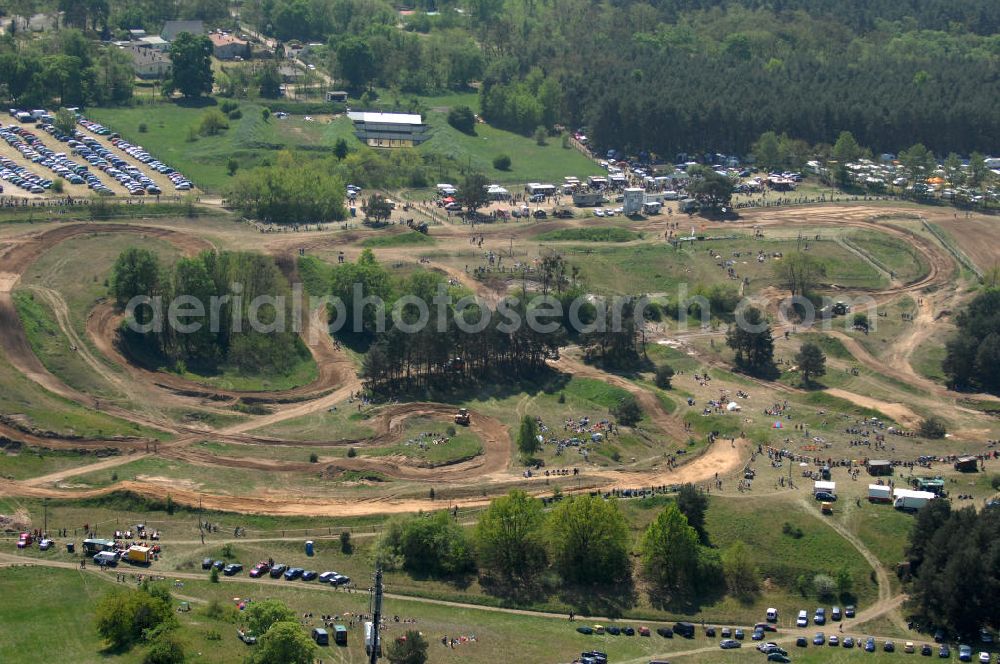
{"x":234,"y":280}
{"x":63,"y":69}
{"x":585,"y":540}
{"x":286,"y":193}
{"x":954,"y":558}
{"x":645,"y":76}
{"x":973,"y":354}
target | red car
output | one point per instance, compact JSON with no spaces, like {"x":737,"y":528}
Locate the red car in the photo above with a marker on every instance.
{"x":259,"y":570}
{"x":24,"y":541}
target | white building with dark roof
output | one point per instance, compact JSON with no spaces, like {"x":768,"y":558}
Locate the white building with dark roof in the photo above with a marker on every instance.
{"x":389,"y":130}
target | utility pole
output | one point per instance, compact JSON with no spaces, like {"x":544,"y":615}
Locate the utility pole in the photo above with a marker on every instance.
{"x":45,"y":511}
{"x":376,"y":608}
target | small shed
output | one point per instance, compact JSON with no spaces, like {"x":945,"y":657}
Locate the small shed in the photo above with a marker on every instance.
{"x":967,"y":464}
{"x":879,"y":467}
{"x":338,"y":96}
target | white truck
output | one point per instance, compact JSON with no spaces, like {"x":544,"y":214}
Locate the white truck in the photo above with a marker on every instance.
{"x":879,"y":493}
{"x":909,"y":500}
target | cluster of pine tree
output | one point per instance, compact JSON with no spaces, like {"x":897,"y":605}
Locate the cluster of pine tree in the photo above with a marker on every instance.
{"x":954,"y":558}
{"x":236,"y":328}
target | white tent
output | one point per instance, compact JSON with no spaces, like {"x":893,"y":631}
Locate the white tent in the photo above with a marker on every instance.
{"x":733,"y":406}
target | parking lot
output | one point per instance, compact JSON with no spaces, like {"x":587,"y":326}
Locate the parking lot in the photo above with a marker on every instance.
{"x":110,"y":169}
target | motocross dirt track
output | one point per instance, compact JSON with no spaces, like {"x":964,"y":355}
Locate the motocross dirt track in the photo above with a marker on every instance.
{"x":337,"y":381}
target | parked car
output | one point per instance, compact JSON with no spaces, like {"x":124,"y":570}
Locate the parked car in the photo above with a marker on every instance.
{"x":820,"y":617}
{"x":293,"y":573}
{"x":665,"y":632}
{"x":801,"y":642}
{"x":710,"y":631}
{"x":849,"y":611}
{"x":583,"y":629}
{"x":819,"y":639}
{"x":834,"y":641}
{"x":232,"y":569}
{"x":219,"y":565}
{"x":849,"y":642}
{"x":259,"y":570}
{"x":778,"y":657}
{"x":309,"y":575}
{"x":964,"y":653}
{"x":908,"y":647}
{"x":726,"y":632}
{"x":835,"y":614}
{"x":246,"y":636}
{"x":985,"y":636}
{"x":326,"y":577}
{"x":738,"y":634}
{"x":926,"y":650}
{"x":278,"y":570}
{"x":826,"y":496}
{"x":45,"y":544}
{"x":803,"y":619}
{"x":766,"y":627}
{"x":758,"y":635}
{"x":984,"y":658}
{"x":729,"y":644}
{"x":870,"y":645}
{"x":206,"y":563}
{"x":889,"y":646}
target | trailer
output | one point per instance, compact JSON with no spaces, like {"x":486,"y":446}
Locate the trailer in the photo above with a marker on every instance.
{"x":139,"y":554}
{"x":909,"y":500}
{"x":879,"y":467}
{"x":93,"y":546}
{"x":822,"y":486}
{"x":369,"y":638}
{"x":879,"y":493}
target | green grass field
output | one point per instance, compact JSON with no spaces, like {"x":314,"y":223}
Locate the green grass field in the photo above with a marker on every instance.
{"x":405,"y":239}
{"x":530,"y":162}
{"x":248,"y":139}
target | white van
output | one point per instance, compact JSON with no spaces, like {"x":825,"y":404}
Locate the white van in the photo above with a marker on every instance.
{"x":803,"y":619}
{"x":772,"y":615}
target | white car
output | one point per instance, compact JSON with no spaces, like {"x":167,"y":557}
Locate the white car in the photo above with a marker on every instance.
{"x":599,"y":212}
{"x":803,"y":619}
{"x":984,"y":658}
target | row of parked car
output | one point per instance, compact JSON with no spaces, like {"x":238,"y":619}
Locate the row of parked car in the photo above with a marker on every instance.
{"x":138,"y":153}
{"x":819,"y":617}
{"x":37,"y":152}
{"x":277,"y":571}
{"x":19,"y":176}
{"x":135,"y":181}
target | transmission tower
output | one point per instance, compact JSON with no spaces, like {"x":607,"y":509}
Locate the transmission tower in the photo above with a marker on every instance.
{"x":376,"y":611}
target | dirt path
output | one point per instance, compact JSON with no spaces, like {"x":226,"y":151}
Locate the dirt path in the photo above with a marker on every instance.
{"x":61,"y":475}
{"x":886,"y":602}
{"x":897,"y":411}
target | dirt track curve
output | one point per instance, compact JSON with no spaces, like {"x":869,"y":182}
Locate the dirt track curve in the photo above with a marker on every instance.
{"x":337,"y":380}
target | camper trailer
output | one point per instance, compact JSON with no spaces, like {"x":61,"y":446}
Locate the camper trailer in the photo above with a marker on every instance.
{"x":879,"y":493}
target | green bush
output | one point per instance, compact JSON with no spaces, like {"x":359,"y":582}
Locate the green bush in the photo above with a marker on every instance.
{"x":664,"y":374}
{"x":463,"y":119}
{"x":933,"y":427}
{"x":502,"y":162}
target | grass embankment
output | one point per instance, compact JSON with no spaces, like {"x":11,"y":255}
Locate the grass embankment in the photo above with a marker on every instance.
{"x":590,"y":234}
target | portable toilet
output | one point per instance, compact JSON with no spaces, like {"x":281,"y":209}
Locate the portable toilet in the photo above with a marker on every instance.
{"x":309,"y":547}
{"x":70,"y":547}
